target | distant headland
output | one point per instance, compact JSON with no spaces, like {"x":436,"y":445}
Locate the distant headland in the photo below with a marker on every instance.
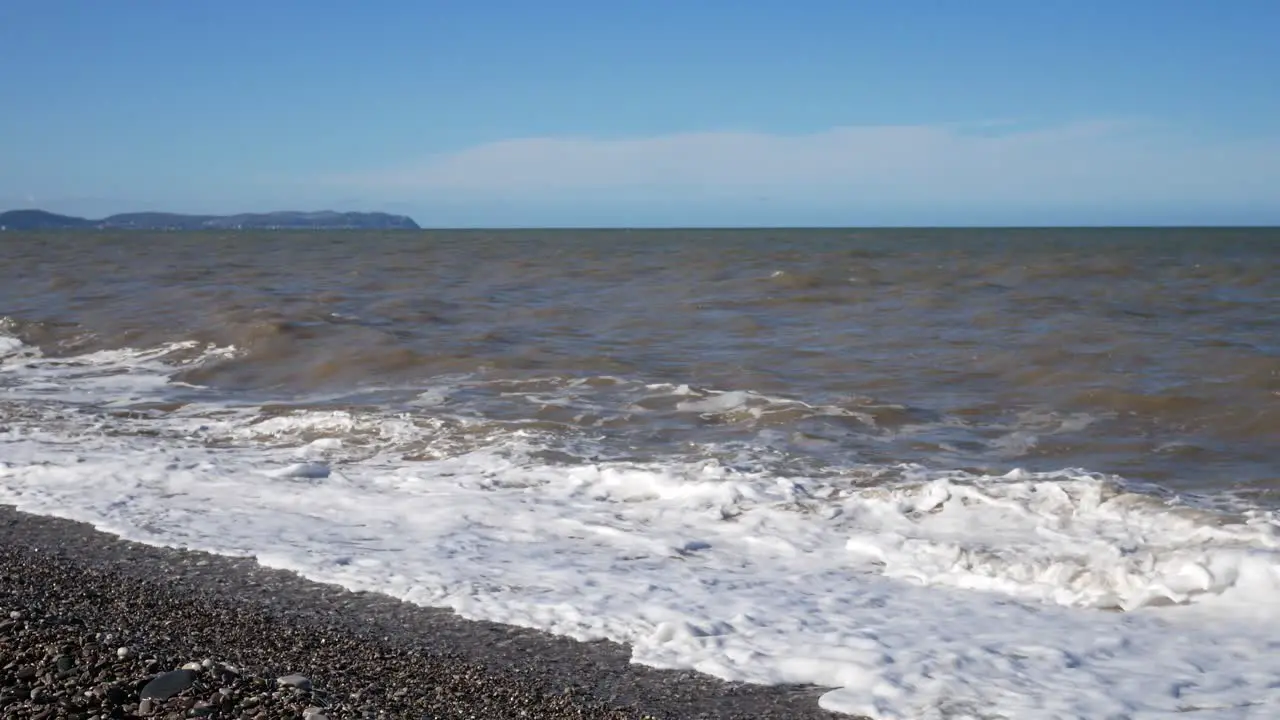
{"x":323,"y":220}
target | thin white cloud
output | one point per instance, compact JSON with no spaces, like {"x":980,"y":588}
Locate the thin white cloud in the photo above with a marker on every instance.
{"x":1107,"y":162}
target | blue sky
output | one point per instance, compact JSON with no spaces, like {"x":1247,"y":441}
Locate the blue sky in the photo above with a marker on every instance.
{"x":702,"y":112}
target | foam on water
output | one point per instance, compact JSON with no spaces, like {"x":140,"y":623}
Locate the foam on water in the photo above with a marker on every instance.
{"x":912,"y":592}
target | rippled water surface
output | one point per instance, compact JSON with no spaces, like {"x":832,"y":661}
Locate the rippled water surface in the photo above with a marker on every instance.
{"x":947,"y":474}
{"x":1150,"y":353}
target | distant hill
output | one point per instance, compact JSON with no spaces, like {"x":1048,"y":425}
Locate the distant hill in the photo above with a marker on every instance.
{"x":40,"y":220}
{"x":323,"y":220}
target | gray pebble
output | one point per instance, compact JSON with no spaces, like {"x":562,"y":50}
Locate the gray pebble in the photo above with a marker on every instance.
{"x":297,"y":681}
{"x":166,"y":685}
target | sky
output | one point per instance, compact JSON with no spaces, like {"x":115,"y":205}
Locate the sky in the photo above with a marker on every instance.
{"x":502,"y":113}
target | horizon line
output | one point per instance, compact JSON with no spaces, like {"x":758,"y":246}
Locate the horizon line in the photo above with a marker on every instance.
{"x":669,"y":228}
{"x":602,"y":228}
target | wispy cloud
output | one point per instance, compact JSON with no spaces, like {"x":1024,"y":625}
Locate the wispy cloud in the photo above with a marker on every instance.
{"x":1084,"y":162}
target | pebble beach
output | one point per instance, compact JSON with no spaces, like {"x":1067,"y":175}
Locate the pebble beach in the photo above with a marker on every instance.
{"x":95,"y":627}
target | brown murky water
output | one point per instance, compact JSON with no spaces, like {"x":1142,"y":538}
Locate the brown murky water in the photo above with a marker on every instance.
{"x":1152,"y":354}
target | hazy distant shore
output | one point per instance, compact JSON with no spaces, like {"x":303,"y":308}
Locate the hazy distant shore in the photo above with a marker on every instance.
{"x":283,"y":220}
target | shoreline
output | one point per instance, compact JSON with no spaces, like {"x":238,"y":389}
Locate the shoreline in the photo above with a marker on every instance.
{"x":402,"y":659}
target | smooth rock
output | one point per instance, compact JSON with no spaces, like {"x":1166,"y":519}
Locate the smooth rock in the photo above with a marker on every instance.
{"x":297,"y":681}
{"x":166,"y":685}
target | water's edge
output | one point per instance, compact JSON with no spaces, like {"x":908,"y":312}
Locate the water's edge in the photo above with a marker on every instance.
{"x":600,"y":671}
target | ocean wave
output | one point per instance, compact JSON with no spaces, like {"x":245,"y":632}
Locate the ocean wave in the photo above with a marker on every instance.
{"x":912,"y":589}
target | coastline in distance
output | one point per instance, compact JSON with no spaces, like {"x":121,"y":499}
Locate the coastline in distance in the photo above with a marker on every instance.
{"x":285,"y":220}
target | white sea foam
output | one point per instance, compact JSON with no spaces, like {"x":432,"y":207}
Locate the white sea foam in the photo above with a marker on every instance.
{"x":913,"y":592}
{"x":10,"y":346}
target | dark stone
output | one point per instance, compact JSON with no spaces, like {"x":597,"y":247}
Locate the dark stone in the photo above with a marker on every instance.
{"x":117,"y":695}
{"x":166,"y":685}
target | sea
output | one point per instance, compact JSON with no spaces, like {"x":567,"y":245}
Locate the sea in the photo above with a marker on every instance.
{"x":1006,"y":473}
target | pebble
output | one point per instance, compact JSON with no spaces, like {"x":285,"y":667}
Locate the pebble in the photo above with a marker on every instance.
{"x":166,"y":685}
{"x":296,"y":681}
